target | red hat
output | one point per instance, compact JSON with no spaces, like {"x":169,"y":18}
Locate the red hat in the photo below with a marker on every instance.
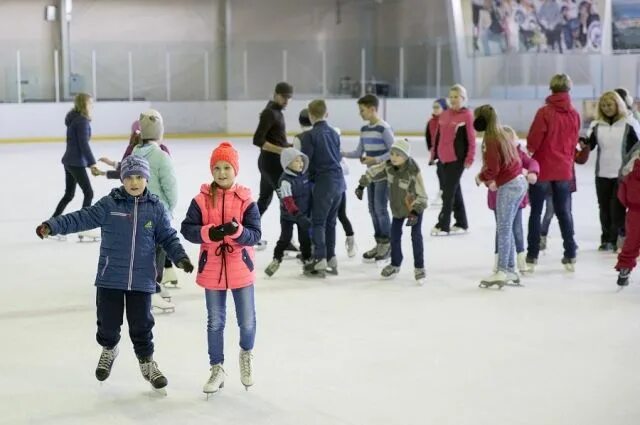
{"x":225,"y":152}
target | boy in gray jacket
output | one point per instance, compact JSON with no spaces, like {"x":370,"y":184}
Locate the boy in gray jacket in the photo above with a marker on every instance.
{"x":408,"y":199}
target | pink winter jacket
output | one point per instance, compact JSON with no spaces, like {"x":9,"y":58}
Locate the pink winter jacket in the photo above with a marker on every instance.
{"x":456,"y":139}
{"x":229,"y":263}
{"x":529,"y":164}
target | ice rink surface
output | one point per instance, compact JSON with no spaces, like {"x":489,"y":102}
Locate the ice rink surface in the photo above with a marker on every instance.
{"x":351,"y":349}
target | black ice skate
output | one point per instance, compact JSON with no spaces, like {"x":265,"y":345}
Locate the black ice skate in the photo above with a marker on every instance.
{"x":151,"y":373}
{"x":623,"y":277}
{"x":106,"y":363}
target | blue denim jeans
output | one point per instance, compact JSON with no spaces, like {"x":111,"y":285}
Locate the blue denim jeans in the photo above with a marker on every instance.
{"x":509,"y":198}
{"x":378,"y":197}
{"x":518,"y":234}
{"x":416,"y":242}
{"x":243,"y":298}
{"x":561,"y":196}
{"x":324,"y":215}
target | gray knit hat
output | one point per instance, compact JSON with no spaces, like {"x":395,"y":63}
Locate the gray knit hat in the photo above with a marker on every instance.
{"x":288,"y":155}
{"x":151,"y":125}
{"x":403,"y":146}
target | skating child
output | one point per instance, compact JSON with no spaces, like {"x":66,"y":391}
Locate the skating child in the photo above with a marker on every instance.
{"x":531,"y":168}
{"x":408,"y":200}
{"x":439,"y":105}
{"x":321,"y":144}
{"x":225,"y":221}
{"x":133,"y":222}
{"x":376,"y":139}
{"x":629,"y":195}
{"x":294,"y":191}
{"x":501,"y":172}
{"x":350,"y":243}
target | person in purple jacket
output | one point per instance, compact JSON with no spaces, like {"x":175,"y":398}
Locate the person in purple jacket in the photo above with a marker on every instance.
{"x":133,"y":222}
{"x":78,"y":156}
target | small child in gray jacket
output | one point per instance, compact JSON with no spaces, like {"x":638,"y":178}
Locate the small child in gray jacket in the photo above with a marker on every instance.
{"x":408,"y":199}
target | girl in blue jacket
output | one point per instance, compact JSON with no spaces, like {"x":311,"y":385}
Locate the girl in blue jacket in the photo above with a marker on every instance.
{"x":133,"y":221}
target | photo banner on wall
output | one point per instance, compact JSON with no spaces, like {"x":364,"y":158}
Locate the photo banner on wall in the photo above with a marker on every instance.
{"x":625,"y":24}
{"x":496,"y":27}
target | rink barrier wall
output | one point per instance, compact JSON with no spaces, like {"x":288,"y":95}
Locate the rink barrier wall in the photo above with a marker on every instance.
{"x":44,"y":122}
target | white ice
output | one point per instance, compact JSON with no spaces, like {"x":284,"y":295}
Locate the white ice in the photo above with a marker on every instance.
{"x":351,"y":349}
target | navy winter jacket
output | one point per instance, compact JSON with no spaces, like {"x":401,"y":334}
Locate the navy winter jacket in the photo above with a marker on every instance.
{"x":78,"y":153}
{"x":322,"y":145}
{"x":131,"y":229}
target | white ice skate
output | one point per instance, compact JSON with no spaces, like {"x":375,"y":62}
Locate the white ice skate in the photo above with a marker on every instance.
{"x":420,"y":276}
{"x":513,"y":279}
{"x":89,"y":236}
{"x":160,"y":304}
{"x":569,"y":264}
{"x":523,"y":266}
{"x":499,"y":279}
{"x":169,"y":278}
{"x":390,"y":272}
{"x":59,"y":238}
{"x":246,"y":368}
{"x":215,"y":381}
{"x":332,"y":266}
{"x":261,"y":246}
{"x":352,"y":248}
{"x":436,"y":231}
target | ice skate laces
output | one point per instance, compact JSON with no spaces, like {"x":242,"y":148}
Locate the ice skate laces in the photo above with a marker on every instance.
{"x":151,"y":370}
{"x":215,"y":371}
{"x":245,"y":361}
{"x":106,"y":358}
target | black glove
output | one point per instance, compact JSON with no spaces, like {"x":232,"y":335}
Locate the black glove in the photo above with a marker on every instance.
{"x":216,"y":234}
{"x":412,"y":219}
{"x":359,"y":192}
{"x":185,"y":264}
{"x":303,"y":221}
{"x":229,"y":228}
{"x":43,"y":231}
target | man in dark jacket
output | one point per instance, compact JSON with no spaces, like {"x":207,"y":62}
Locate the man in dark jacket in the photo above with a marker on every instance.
{"x":271,"y":138}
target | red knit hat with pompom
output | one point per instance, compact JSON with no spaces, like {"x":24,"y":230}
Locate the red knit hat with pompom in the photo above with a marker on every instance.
{"x":225,"y":152}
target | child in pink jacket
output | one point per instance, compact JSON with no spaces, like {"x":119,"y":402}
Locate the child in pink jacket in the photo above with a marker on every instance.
{"x":532,"y":170}
{"x":225,"y":221}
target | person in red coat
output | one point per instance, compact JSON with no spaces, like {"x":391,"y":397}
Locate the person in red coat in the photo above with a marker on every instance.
{"x":439,"y":105}
{"x":629,"y":196}
{"x":552,"y":141}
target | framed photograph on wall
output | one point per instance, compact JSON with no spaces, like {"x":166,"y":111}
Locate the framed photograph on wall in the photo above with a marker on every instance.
{"x":495,"y":27}
{"x":625,"y":24}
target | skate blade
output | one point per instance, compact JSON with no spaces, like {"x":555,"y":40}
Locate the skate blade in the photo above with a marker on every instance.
{"x":164,"y":310}
{"x":162,"y":391}
{"x":332,"y":272}
{"x":171,"y":285}
{"x":570,"y":268}
{"x":487,"y":285}
{"x":85,"y":239}
{"x":319,"y":274}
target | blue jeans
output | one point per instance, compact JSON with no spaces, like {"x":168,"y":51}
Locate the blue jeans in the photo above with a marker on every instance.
{"x":324,"y":215}
{"x":518,"y":234}
{"x":416,"y":241}
{"x":561,"y":196}
{"x":549,"y":213}
{"x":378,"y":197}
{"x":508,"y":204}
{"x":217,"y":313}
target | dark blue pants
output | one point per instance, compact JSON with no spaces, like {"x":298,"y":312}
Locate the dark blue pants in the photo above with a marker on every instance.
{"x":324,"y":214}
{"x":110,"y":304}
{"x":416,"y":241}
{"x":74,"y":176}
{"x":560,"y":195}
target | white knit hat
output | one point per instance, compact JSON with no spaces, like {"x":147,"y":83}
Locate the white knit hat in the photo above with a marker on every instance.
{"x":403,"y":146}
{"x":151,"y":125}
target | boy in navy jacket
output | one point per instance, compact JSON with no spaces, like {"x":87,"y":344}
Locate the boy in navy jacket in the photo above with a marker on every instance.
{"x":321,"y":145}
{"x":133,"y":221}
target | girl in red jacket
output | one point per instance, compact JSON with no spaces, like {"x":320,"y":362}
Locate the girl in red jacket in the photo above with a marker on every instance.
{"x":532,"y":169}
{"x":501,"y":172}
{"x":225,"y":221}
{"x":430,"y":134}
{"x":455,"y":148}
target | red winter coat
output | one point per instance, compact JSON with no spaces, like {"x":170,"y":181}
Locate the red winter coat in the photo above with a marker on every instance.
{"x":629,"y":189}
{"x":553,"y":137}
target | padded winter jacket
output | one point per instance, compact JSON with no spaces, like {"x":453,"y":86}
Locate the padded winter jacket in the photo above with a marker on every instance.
{"x":131,"y":229}
{"x":615,"y":142}
{"x":629,"y":188}
{"x":78,"y":152}
{"x":229,"y":263}
{"x":456,"y":138}
{"x":532,"y":167}
{"x":162,"y":180}
{"x":553,"y":137}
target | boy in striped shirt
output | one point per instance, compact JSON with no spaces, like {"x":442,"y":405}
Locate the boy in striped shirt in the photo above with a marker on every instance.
{"x":374,"y":146}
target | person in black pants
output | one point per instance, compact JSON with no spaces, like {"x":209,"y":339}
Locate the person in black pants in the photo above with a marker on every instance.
{"x":271,"y":138}
{"x":78,"y":156}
